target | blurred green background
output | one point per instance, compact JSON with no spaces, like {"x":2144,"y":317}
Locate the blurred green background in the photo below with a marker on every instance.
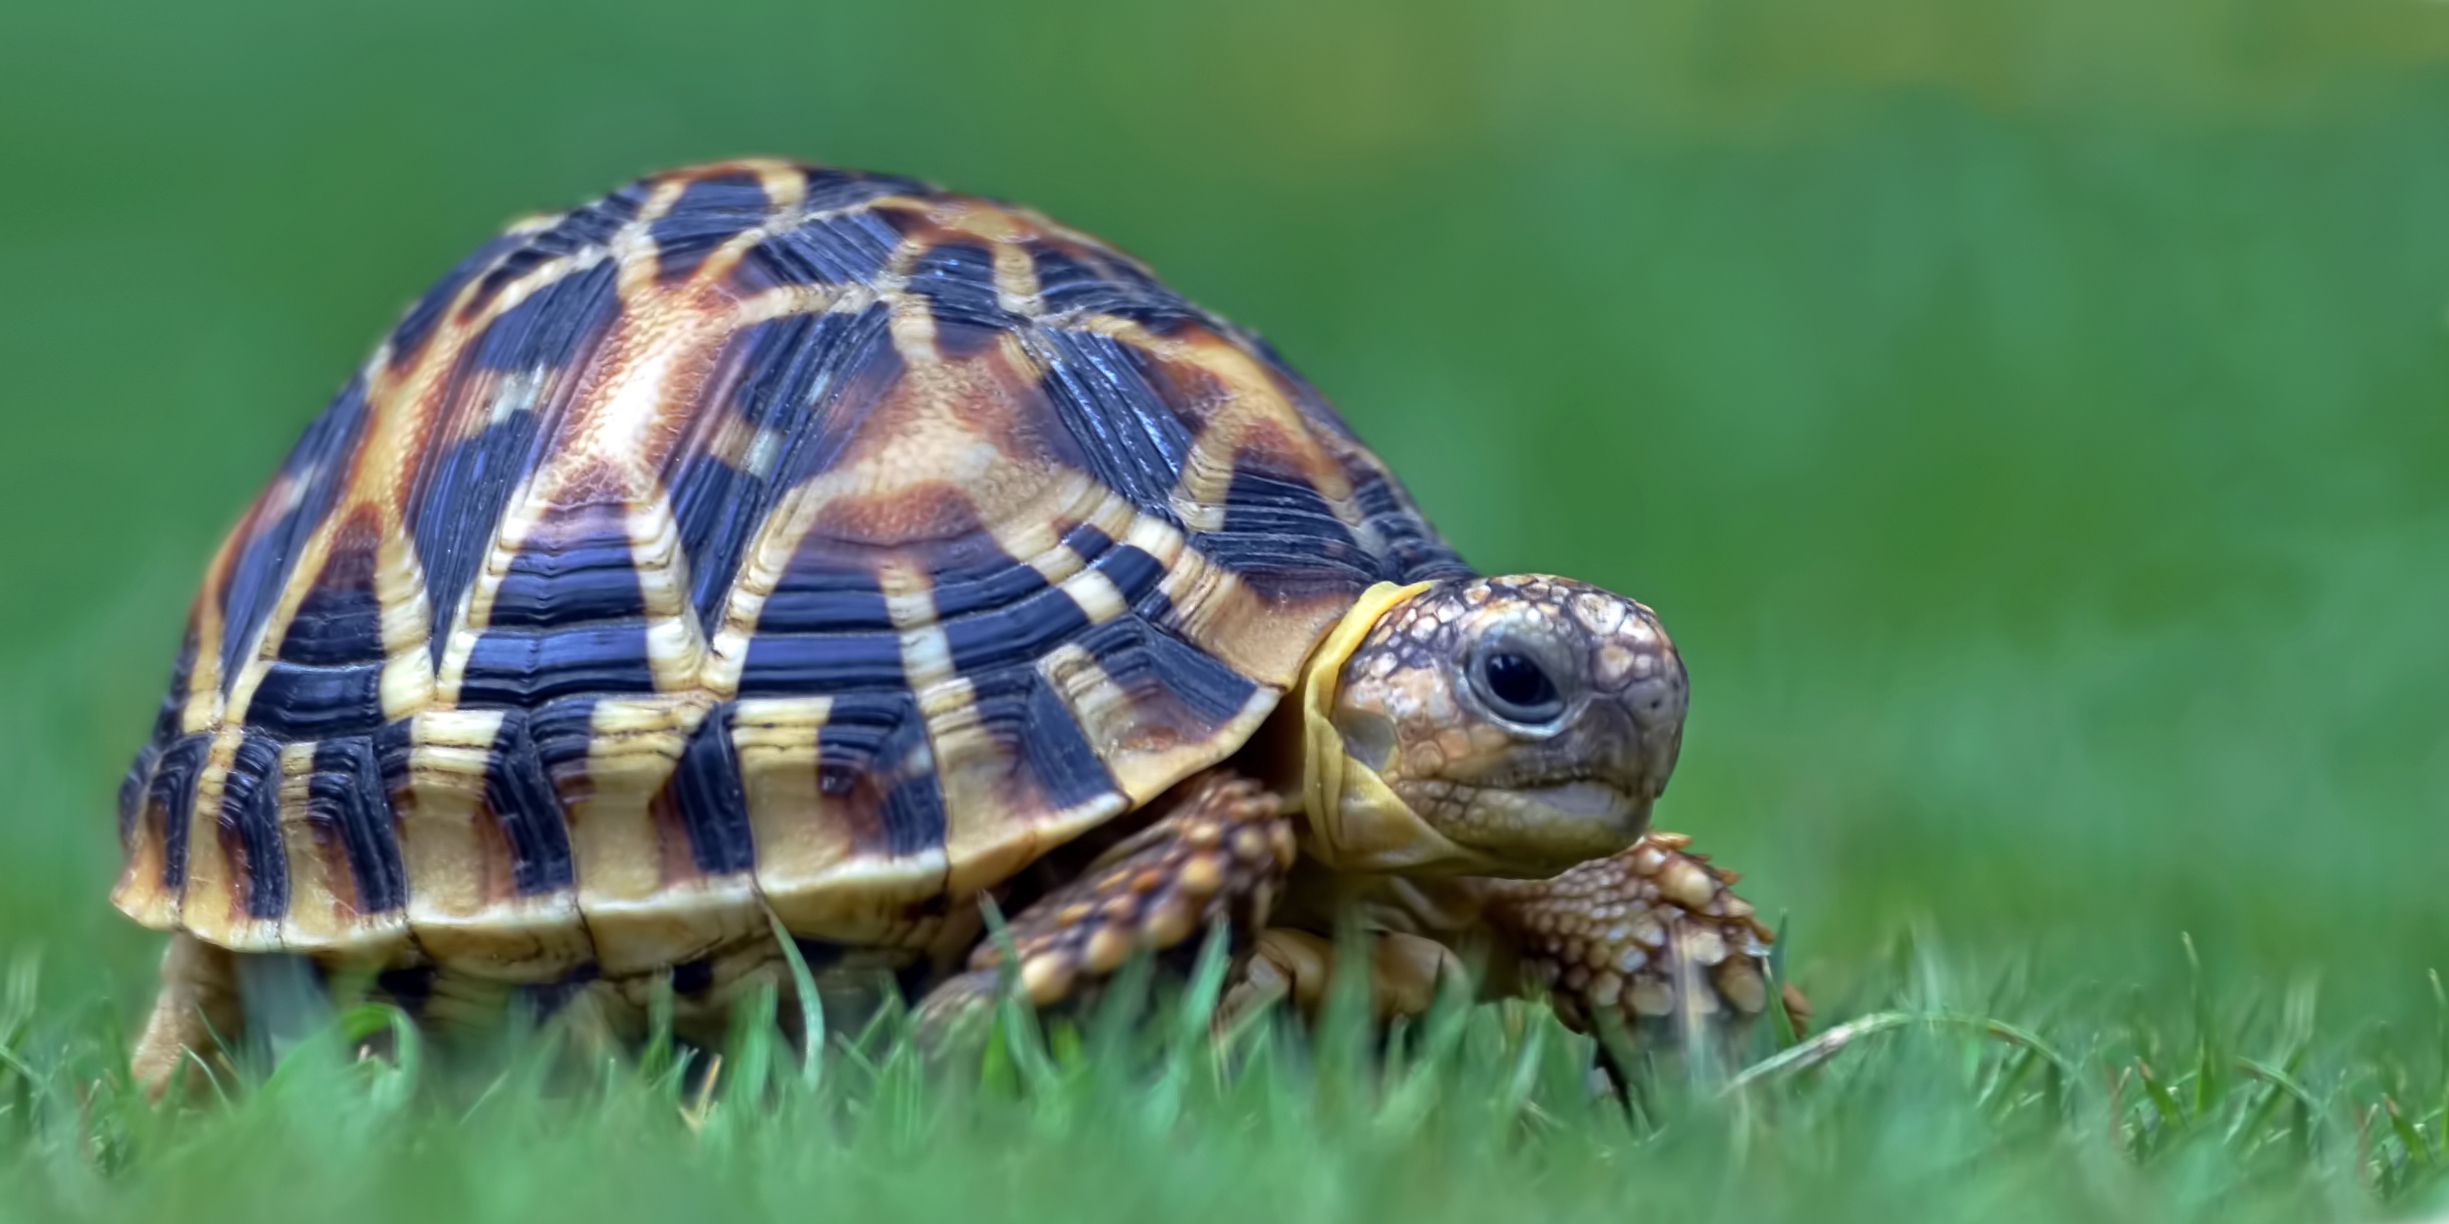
{"x":2032,"y":420}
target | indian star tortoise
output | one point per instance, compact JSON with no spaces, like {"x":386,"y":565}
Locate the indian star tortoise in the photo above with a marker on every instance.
{"x":771,"y":547}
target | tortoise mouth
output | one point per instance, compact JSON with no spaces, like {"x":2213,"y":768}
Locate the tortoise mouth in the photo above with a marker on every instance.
{"x":1585,"y":798}
{"x":1539,"y":830}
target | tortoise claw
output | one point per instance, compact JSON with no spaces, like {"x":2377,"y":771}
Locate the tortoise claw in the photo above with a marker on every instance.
{"x":1651,"y":939}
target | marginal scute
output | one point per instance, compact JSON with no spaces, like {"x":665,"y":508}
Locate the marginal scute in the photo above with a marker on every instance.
{"x":484,"y":851}
{"x":349,"y":837}
{"x":758,"y":538}
{"x":642,"y":887}
{"x":251,"y":836}
{"x":706,"y":796}
{"x":177,"y":777}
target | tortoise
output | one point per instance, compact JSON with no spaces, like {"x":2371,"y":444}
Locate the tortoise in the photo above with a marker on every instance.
{"x":767,"y":548}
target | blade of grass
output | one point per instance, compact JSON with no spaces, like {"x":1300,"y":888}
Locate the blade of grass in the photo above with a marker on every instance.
{"x":2419,"y":1151}
{"x":1016,"y":1027}
{"x":811,"y":1006}
{"x":1781,"y":1024}
{"x":2171,"y":1113}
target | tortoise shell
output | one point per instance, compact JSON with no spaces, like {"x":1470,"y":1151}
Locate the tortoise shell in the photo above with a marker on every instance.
{"x":759,"y":535}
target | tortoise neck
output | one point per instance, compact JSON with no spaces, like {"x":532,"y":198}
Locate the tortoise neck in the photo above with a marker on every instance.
{"x":1274,"y":757}
{"x":1352,"y":820}
{"x":1302,"y":730}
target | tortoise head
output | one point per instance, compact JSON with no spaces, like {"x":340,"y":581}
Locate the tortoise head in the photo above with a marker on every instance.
{"x":1492,"y":726}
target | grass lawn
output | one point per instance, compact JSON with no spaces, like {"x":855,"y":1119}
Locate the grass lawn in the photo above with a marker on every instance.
{"x":2031,"y":419}
{"x":1936,"y":1107}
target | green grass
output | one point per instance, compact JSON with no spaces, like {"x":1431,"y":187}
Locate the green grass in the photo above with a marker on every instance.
{"x":2031,"y":419}
{"x":1935,"y":1106}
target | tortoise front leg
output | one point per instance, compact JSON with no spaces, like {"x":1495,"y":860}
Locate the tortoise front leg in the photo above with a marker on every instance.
{"x":1653,"y":939}
{"x":1219,"y":855}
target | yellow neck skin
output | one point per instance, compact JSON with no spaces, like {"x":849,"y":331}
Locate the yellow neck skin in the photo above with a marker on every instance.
{"x":1356,"y":822}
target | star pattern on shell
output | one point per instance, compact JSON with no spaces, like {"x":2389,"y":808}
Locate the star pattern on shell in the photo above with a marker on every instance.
{"x":758,"y":538}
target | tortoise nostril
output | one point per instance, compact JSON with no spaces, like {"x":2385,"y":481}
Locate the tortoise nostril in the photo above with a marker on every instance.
{"x":1656,"y":704}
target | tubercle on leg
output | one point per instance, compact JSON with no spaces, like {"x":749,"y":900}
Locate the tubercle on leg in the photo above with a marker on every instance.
{"x":1654,"y":935}
{"x":1217,"y":858}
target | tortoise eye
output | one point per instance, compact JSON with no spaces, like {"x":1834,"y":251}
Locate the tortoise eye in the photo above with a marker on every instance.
{"x":1517,"y":688}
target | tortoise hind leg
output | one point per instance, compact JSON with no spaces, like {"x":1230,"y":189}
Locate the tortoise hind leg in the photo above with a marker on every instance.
{"x":1405,"y":973}
{"x":1217,"y":856}
{"x":198,"y":1010}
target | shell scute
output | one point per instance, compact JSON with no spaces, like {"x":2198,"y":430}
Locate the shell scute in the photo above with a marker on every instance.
{"x":957,"y":277}
{"x":543,"y":241}
{"x":297,"y":702}
{"x":1130,"y":438}
{"x":339,"y":618}
{"x":876,"y":767}
{"x":271,"y":543}
{"x":547,"y":329}
{"x":709,"y":212}
{"x":758,"y":536}
{"x":250,"y":829}
{"x":406,"y":344}
{"x":466,"y":487}
{"x":706,"y":796}
{"x":173,"y":796}
{"x":520,"y":797}
{"x":826,"y":252}
{"x":511,"y":668}
{"x":348,"y":809}
{"x":576,"y":566}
